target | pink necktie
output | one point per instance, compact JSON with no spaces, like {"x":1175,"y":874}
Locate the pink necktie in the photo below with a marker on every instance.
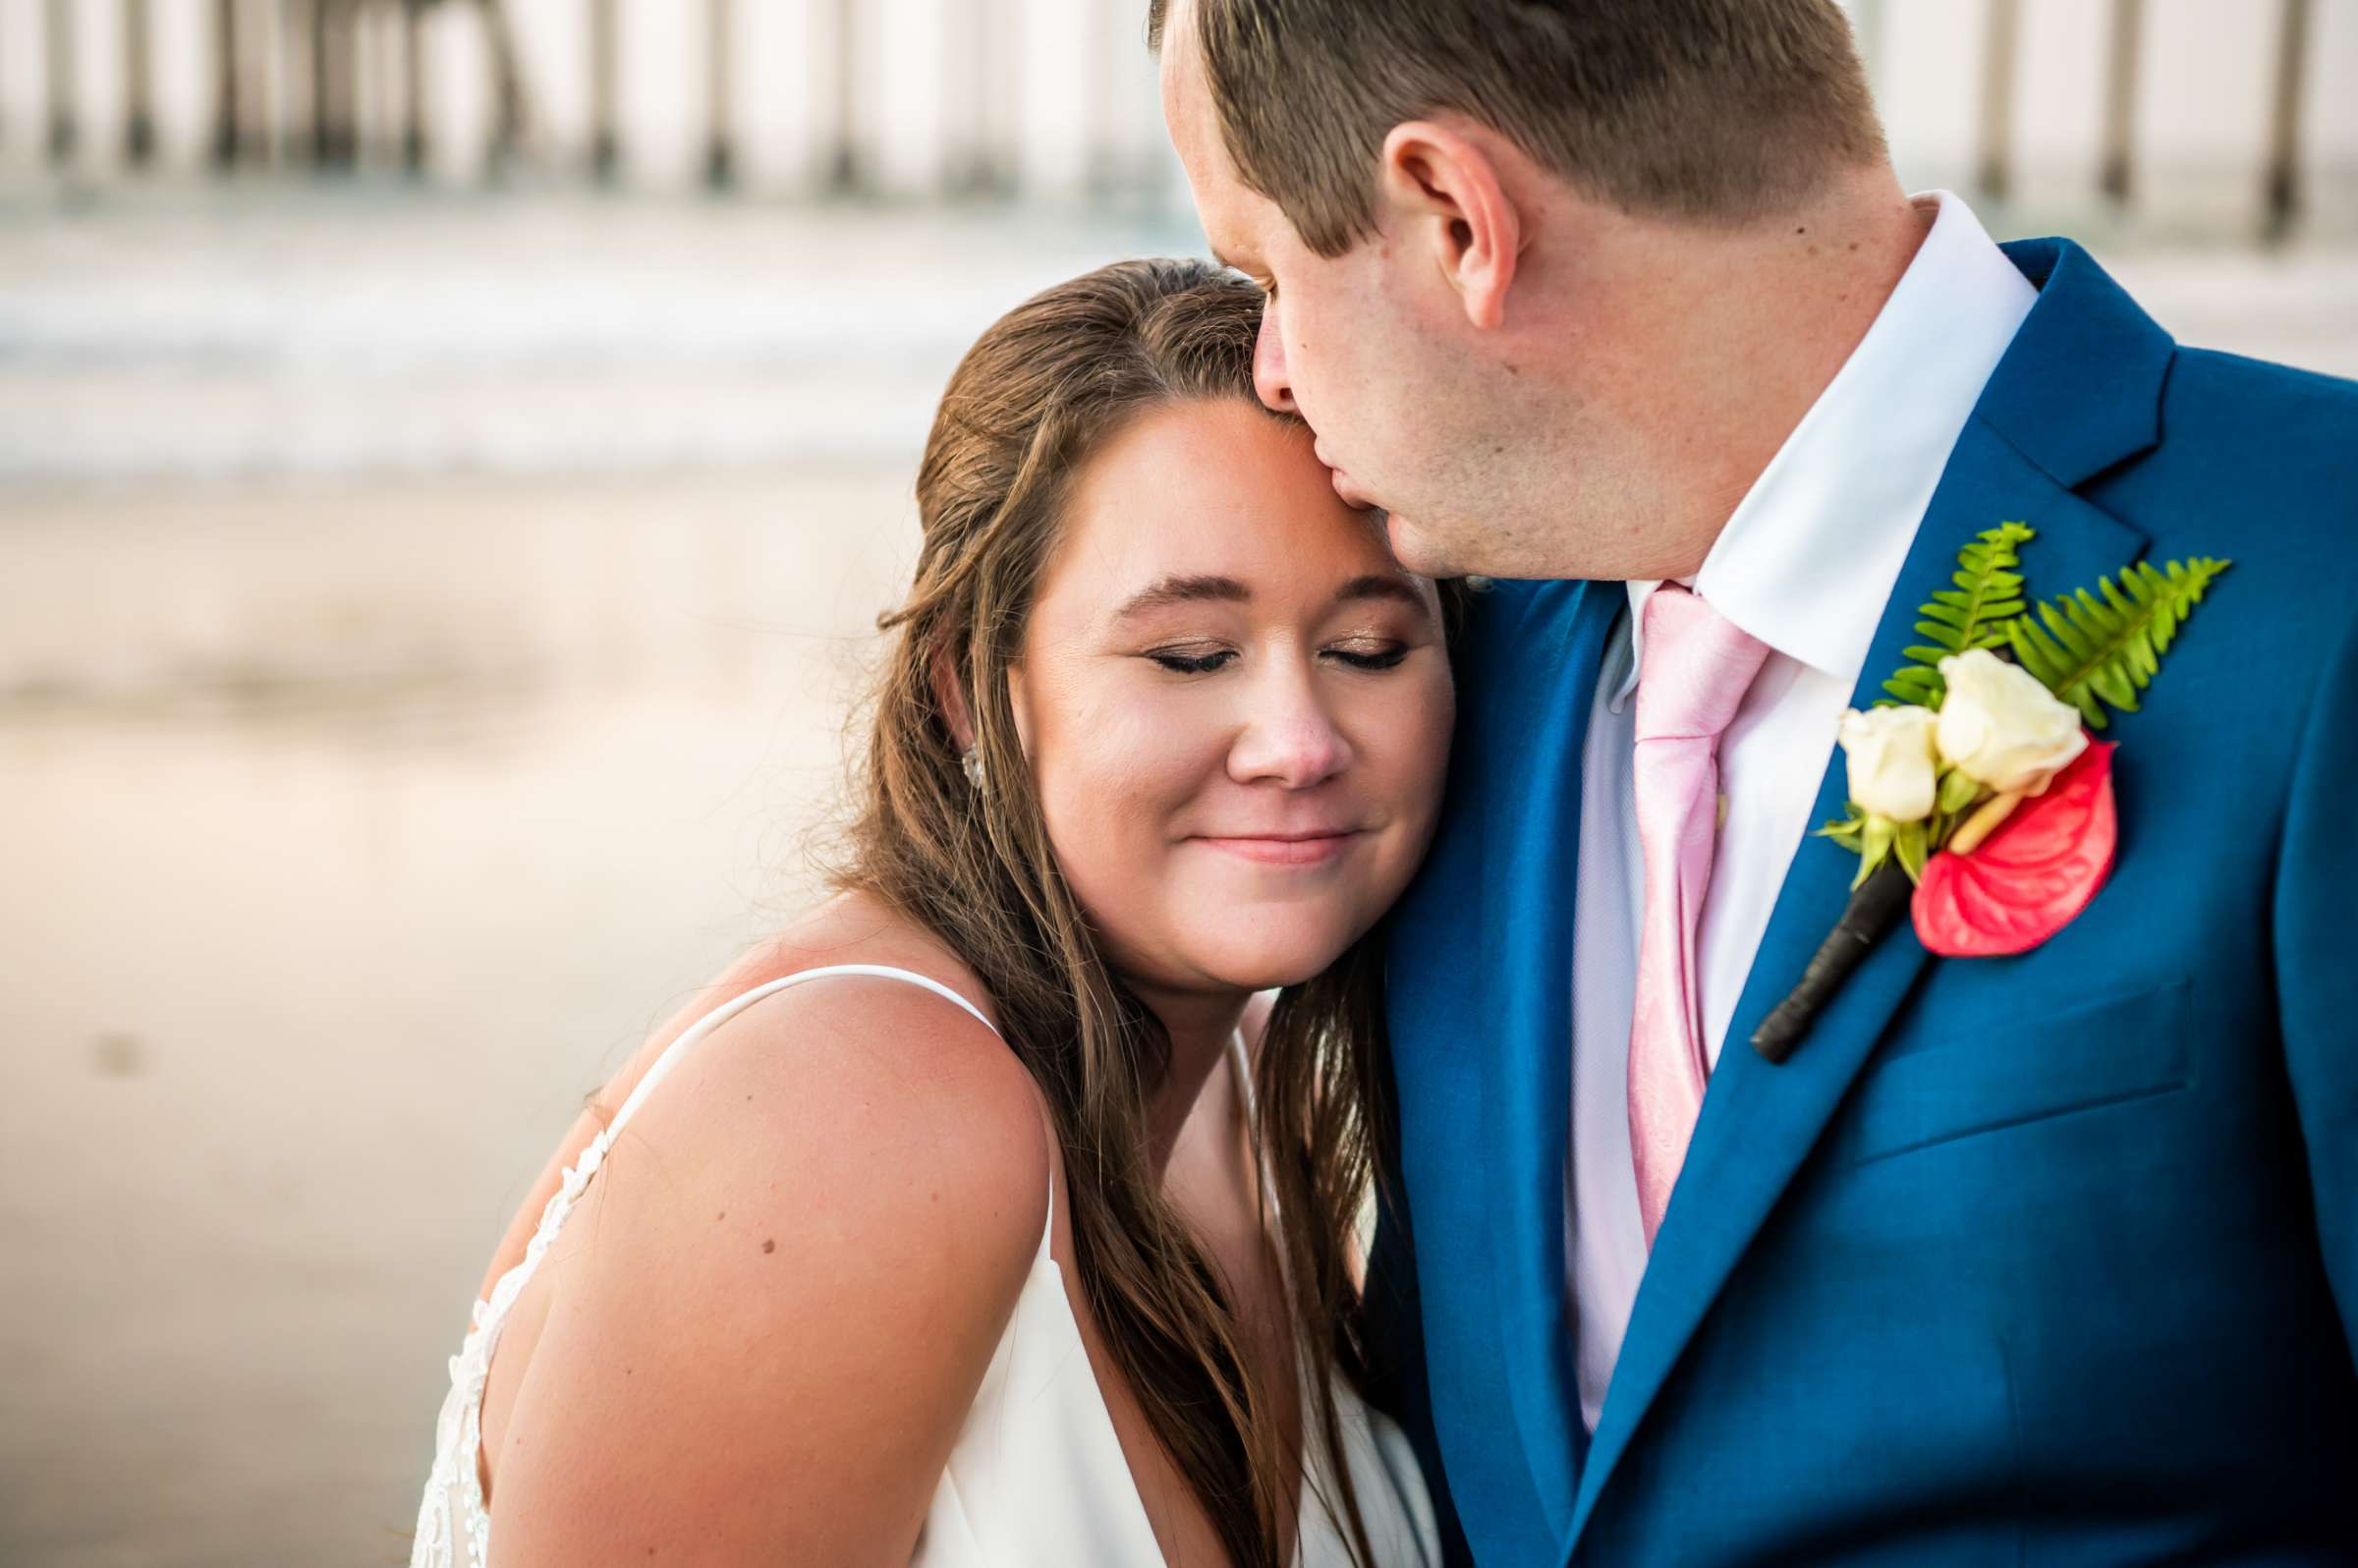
{"x":1693,"y":672}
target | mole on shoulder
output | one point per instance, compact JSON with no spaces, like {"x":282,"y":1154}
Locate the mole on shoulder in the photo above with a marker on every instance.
{"x":768,"y":1243}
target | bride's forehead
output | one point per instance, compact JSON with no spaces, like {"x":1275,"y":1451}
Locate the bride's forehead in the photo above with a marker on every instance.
{"x":1137,"y":562}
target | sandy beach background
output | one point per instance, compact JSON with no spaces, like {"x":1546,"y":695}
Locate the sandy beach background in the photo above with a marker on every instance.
{"x":398,"y":717}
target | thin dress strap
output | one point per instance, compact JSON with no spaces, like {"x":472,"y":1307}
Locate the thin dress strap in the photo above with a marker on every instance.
{"x":730,"y":1009}
{"x":722,"y":1014}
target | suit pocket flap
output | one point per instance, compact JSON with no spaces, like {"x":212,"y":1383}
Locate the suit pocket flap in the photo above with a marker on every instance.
{"x":2106,"y":1050}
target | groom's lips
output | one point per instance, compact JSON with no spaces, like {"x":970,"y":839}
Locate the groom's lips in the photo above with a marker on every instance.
{"x":1352,"y":495}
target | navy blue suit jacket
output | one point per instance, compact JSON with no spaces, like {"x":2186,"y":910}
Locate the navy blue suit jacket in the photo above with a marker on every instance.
{"x":2040,"y":1259}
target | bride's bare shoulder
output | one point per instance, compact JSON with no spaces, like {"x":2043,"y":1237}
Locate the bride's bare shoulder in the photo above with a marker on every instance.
{"x":835,"y":1048}
{"x":851,"y":1178}
{"x":857,"y":1074}
{"x":881,"y":1102}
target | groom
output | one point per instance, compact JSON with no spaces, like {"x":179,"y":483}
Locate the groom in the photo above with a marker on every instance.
{"x":2050,"y":1258}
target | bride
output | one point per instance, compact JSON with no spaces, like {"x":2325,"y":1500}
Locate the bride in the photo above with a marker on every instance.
{"x":984,"y":1220}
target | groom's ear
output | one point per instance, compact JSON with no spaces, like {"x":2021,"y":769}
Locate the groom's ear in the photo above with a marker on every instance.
{"x":1446,"y":196}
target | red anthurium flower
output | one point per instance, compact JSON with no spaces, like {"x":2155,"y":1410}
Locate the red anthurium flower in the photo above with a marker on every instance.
{"x":2032,"y":876}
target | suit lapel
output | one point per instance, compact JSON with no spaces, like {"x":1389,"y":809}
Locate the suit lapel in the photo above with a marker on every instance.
{"x":1759,"y":1123}
{"x":1520,"y":994}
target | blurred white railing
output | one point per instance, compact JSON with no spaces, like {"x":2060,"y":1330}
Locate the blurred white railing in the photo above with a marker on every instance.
{"x":913,"y":98}
{"x":2102,"y":105}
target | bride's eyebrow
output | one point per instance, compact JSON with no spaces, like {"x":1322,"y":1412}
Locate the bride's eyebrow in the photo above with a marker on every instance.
{"x":1378,"y":585}
{"x":1176,"y":590}
{"x":1172,"y":590}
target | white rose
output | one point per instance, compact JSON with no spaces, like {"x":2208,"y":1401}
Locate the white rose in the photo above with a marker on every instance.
{"x":1892,"y":766}
{"x":2000,"y":727}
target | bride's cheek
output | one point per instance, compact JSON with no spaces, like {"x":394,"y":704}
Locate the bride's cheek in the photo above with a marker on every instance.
{"x":1426,"y":725}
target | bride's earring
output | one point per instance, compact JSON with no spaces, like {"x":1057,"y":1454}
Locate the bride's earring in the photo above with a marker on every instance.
{"x":971,"y":759}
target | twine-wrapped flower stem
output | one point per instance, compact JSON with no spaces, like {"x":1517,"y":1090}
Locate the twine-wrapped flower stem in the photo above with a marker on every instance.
{"x":1875,"y":909}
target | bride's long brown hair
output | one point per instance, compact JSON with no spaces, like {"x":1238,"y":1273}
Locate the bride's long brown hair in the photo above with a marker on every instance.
{"x":1034,"y":399}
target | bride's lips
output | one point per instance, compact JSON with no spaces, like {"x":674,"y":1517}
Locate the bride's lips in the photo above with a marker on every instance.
{"x":1285,"y":849}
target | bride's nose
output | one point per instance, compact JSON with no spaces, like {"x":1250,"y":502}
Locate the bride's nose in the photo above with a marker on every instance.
{"x":1288,"y":737}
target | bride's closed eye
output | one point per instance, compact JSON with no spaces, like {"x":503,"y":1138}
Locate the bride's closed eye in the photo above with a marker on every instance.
{"x":1360,"y":656}
{"x":1180,"y":661}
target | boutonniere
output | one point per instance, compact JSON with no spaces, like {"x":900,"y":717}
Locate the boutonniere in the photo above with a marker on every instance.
{"x":1979,"y":802}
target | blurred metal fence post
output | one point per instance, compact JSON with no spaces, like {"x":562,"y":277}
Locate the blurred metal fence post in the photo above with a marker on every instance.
{"x":225,"y":84}
{"x":1996,"y":174}
{"x":605,"y":90}
{"x":844,"y":173}
{"x":720,"y":150}
{"x":57,"y":48}
{"x":2116,"y":176}
{"x":138,"y":82}
{"x":512,"y":117}
{"x":335,"y":130}
{"x":2284,"y":123}
{"x":977,"y":162}
{"x":412,"y":86}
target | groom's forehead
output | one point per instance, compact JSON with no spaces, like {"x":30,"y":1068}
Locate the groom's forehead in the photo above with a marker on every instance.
{"x":1223,"y":200}
{"x":1186,"y":93}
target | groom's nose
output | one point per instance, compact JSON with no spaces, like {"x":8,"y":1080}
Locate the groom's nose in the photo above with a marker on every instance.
{"x":1269,"y":365}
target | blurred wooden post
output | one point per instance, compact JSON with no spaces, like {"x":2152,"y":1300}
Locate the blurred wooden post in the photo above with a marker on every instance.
{"x":57,"y":46}
{"x":412,"y":86}
{"x":720,"y":150}
{"x":335,"y":132}
{"x":2284,"y":122}
{"x":978,"y":164}
{"x":138,"y":82}
{"x":2117,"y":176}
{"x":225,"y":84}
{"x":1002,"y":85}
{"x":605,"y":90}
{"x":844,"y":174}
{"x":510,"y":112}
{"x":1995,"y":175}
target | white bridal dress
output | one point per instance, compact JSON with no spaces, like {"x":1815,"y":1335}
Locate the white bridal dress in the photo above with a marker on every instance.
{"x":1037,"y":1478}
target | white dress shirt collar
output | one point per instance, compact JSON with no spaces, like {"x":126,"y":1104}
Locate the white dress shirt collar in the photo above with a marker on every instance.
{"x":1807,"y":560}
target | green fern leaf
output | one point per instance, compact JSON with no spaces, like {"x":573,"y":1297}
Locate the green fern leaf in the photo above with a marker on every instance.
{"x":1972,"y":614}
{"x":2100,"y":649}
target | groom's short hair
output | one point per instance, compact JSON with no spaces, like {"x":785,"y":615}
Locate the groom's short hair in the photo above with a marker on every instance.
{"x":1717,"y":111}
